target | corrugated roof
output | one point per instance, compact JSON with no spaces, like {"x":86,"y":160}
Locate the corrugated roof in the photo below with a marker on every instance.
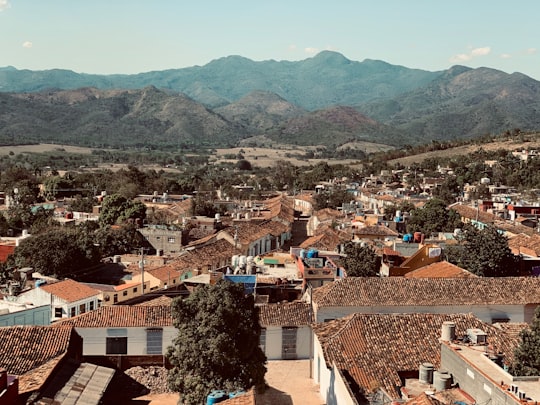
{"x":70,"y":290}
{"x":374,"y":348}
{"x":398,"y":291}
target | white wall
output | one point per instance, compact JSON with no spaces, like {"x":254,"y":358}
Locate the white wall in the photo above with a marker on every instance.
{"x":516,"y":313}
{"x":95,"y":340}
{"x":274,"y":336}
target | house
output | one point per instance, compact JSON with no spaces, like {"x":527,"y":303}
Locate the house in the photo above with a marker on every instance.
{"x":364,"y":357}
{"x":285,"y":330}
{"x":162,"y":239}
{"x":67,"y":298}
{"x":162,"y":277}
{"x":126,"y":335}
{"x":13,"y":313}
{"x":254,"y":239}
{"x":36,"y":353}
{"x":424,"y":256}
{"x":494,"y":299}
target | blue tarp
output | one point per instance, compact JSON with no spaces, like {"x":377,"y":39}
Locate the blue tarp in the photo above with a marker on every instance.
{"x":248,"y":281}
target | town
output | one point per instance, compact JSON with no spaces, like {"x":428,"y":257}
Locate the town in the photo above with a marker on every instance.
{"x":402,"y":284}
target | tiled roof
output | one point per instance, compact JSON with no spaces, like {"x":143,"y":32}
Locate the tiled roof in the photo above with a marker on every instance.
{"x":377,"y":230}
{"x":440,"y":269}
{"x":162,"y":300}
{"x":328,"y":214}
{"x":374,"y":348}
{"x":249,"y":398}
{"x":165,"y":273}
{"x":5,"y":251}
{"x":326,"y":238}
{"x":32,"y":351}
{"x":398,"y":291}
{"x":123,"y":316}
{"x":472,"y":213}
{"x":287,"y":314}
{"x":529,"y":245}
{"x":70,"y":290}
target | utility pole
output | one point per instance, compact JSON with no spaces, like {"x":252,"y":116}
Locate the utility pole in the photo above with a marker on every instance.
{"x":142,"y":271}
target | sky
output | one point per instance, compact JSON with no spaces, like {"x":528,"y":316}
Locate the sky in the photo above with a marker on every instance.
{"x":133,"y":36}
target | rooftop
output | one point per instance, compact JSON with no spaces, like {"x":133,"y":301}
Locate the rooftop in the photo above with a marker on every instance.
{"x":286,"y":314}
{"x":70,"y":290}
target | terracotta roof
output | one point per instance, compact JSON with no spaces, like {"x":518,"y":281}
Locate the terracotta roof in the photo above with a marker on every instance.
{"x":439,"y":270}
{"x":122,"y":316}
{"x":374,"y":348}
{"x":328,"y":214}
{"x":472,"y":213}
{"x":325,"y":238}
{"x":399,"y":291}
{"x":160,"y":301}
{"x":529,"y":245}
{"x":249,"y":398}
{"x":70,"y":290}
{"x":287,"y":314}
{"x":32,"y":352}
{"x":5,"y":251}
{"x":165,"y":273}
{"x":422,"y":399}
{"x":377,"y":230}
{"x":390,"y":252}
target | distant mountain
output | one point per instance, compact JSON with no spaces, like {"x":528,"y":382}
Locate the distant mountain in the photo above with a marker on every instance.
{"x":327,"y":99}
{"x":90,"y":117}
{"x":324,"y":80}
{"x":260,"y":111}
{"x":463,"y":102}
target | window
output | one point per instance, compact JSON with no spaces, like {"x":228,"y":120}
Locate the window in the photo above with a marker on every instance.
{"x":73,"y":311}
{"x":134,"y":290}
{"x":116,"y":341}
{"x":262,"y":340}
{"x":91,"y":306}
{"x":58,"y":312}
{"x":171,"y":239}
{"x":154,"y":341}
{"x":115,"y":298}
{"x":82,"y":308}
{"x":116,"y":345}
{"x":124,"y":293}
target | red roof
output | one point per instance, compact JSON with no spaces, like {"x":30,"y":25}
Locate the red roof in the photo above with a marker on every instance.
{"x":5,"y":251}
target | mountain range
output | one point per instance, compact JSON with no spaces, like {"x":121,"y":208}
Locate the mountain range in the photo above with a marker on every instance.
{"x":325,"y":100}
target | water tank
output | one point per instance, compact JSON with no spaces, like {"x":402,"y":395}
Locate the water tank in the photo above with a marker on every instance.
{"x":407,"y":238}
{"x":216,"y":396}
{"x":484,"y":180}
{"x":448,"y":332}
{"x":442,"y":380}
{"x":69,"y":215}
{"x":248,"y":215}
{"x":417,"y":237}
{"x":234,"y":394}
{"x":302,"y":253}
{"x":250,"y":259}
{"x":398,"y":213}
{"x":117,"y":259}
{"x":242,"y":260}
{"x":312,"y":253}
{"x":24,"y":233}
{"x":234,"y":260}
{"x":426,"y":373}
{"x":218,"y":217}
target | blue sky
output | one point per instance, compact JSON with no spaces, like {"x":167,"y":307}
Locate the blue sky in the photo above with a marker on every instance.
{"x":132,"y":36}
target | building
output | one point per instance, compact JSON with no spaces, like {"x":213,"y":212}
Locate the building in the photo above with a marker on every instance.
{"x":67,"y":298}
{"x":286,"y":330}
{"x":512,"y":299}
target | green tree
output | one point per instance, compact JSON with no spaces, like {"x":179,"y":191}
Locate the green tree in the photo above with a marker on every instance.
{"x":527,"y":354}
{"x":117,"y":209}
{"x":433,"y":217}
{"x":331,"y":199}
{"x":217,"y":345}
{"x":360,"y":261}
{"x":484,"y":252}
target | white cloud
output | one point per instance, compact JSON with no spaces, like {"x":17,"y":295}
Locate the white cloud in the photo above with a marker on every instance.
{"x":506,"y":56}
{"x":311,"y":51}
{"x":481,"y":51}
{"x":292,"y":47}
{"x":4,"y":5}
{"x":473,"y":53}
{"x":27,"y":44}
{"x":531,"y":51}
{"x":462,"y":57}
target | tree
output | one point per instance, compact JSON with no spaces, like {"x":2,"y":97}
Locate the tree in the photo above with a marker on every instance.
{"x":361,"y":261}
{"x":217,"y":346}
{"x":117,"y":208}
{"x":484,"y":252}
{"x":527,"y":354}
{"x":434,"y":217}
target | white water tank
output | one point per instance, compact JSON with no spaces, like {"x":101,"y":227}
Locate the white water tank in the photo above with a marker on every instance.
{"x":448,"y":332}
{"x":484,"y":180}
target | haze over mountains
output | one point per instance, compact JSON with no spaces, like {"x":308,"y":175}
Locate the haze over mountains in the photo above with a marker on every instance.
{"x":325,"y":100}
